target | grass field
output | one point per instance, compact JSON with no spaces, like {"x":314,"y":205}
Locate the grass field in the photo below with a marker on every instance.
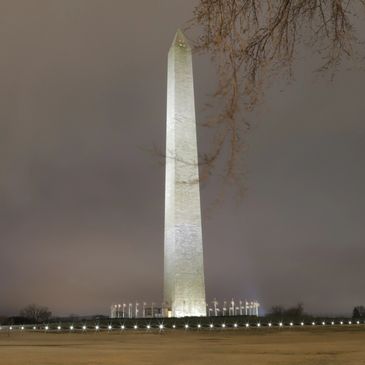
{"x":317,"y":346}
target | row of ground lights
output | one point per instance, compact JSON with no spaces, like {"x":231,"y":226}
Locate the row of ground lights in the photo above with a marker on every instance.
{"x":186,"y":326}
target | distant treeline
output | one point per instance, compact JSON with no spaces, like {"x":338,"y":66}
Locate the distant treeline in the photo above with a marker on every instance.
{"x":297,"y":312}
{"x":34,"y":314}
{"x":279,"y":312}
{"x":358,"y":312}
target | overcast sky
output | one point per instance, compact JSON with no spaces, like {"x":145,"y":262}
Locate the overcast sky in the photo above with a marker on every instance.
{"x":83,"y":98}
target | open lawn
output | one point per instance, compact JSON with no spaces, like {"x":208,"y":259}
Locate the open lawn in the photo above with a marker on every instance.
{"x":302,"y":346}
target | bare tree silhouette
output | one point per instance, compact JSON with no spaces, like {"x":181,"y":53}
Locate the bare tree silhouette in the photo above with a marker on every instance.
{"x":35,"y":313}
{"x":253,"y":40}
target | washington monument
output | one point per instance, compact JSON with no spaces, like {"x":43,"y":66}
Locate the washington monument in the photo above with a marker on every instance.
{"x":184,"y":289}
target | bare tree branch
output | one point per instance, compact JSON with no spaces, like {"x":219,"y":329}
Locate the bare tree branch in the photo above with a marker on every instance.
{"x":252,"y":40}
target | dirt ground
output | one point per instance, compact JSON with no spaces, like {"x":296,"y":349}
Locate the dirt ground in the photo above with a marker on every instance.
{"x":317,"y":346}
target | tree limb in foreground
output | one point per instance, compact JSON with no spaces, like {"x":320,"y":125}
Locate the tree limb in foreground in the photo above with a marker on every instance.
{"x":253,"y":40}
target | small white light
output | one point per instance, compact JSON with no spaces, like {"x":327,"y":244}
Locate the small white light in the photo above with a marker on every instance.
{"x":291,"y":324}
{"x":84,"y":328}
{"x":110,"y":327}
{"x":270,"y":324}
{"x":34,"y":327}
{"x":235,"y":325}
{"x":135,"y":326}
{"x":358,"y":322}
{"x":122,"y":327}
{"x":247,"y":325}
{"x":258,"y":324}
{"x":59,"y":328}
{"x":302,"y":323}
{"x":350,"y":322}
{"x":323,"y":323}
{"x":148,"y":326}
{"x":211,"y":325}
{"x":341,"y":322}
{"x":46,"y":328}
{"x":332,"y":323}
{"x":10,"y":328}
{"x":22,"y":328}
{"x":97,"y":327}
{"x":71,"y":328}
{"x":223,"y":325}
{"x":313,"y":323}
{"x":281,"y":324}
{"x":173,"y":326}
{"x":160,"y":326}
{"x":186,"y":326}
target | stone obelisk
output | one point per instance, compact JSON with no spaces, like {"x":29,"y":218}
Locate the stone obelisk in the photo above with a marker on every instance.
{"x":184,"y":289}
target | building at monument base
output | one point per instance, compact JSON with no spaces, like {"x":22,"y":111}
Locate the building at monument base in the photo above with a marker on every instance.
{"x":222,"y":308}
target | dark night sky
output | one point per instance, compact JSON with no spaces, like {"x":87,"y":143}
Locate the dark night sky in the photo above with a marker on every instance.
{"x":82,"y":98}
